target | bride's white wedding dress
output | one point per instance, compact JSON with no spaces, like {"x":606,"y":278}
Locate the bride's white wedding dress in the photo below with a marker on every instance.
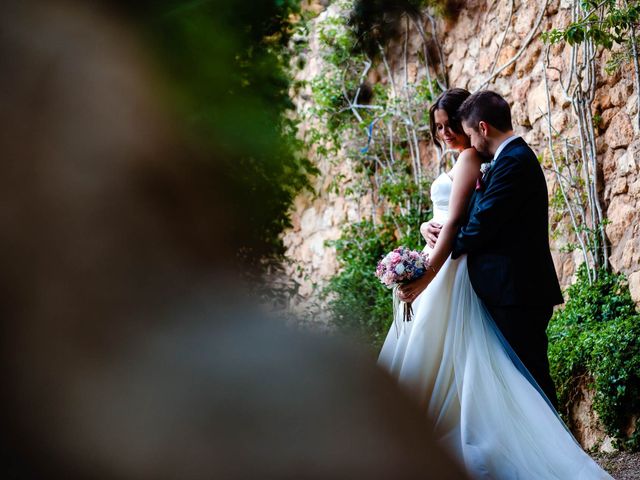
{"x":486,"y":407}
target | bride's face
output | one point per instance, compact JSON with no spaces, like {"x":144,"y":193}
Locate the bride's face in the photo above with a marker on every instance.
{"x":452,"y":139}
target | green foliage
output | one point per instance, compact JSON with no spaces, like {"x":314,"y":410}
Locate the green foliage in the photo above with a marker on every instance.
{"x":359,"y":303}
{"x":603,"y":23}
{"x":596,"y":338}
{"x":226,"y":65}
{"x":377,"y":127}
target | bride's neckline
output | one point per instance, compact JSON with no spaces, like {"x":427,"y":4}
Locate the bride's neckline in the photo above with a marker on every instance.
{"x":447,"y":175}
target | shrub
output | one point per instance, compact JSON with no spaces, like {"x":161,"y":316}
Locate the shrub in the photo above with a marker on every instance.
{"x":597,"y":336}
{"x":359,"y":303}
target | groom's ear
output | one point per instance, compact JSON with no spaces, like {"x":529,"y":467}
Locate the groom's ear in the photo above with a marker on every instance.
{"x":483,"y":128}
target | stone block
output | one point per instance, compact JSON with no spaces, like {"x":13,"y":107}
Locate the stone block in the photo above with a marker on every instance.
{"x":632,"y":105}
{"x":503,"y":86}
{"x":519,"y":114}
{"x":506,"y":54}
{"x":309,"y":220}
{"x":486,"y":57}
{"x":634,"y":286}
{"x":537,"y":103}
{"x":621,"y":213}
{"x":521,"y":90}
{"x":525,"y":16}
{"x":525,"y":65}
{"x":565,"y":5}
{"x":458,"y":53}
{"x":559,"y":121}
{"x":488,"y":35}
{"x":634,"y":188}
{"x":589,"y":430}
{"x":473,"y":47}
{"x":634,"y":155}
{"x":607,"y":116}
{"x":553,"y":7}
{"x":620,"y":131}
{"x":558,"y":96}
{"x":609,"y":165}
{"x":607,"y":445}
{"x":625,"y":164}
{"x":620,"y":93}
{"x":469,"y":67}
{"x":327,"y":217}
{"x":619,"y":186}
{"x":629,"y":255}
{"x":454,"y":73}
{"x":353,"y":215}
{"x":568,"y":269}
{"x":602,"y":99}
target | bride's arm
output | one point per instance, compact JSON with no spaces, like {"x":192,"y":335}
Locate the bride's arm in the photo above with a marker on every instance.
{"x":466,"y":173}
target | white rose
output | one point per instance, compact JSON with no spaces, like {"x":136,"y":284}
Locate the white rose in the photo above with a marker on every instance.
{"x":399,"y":269}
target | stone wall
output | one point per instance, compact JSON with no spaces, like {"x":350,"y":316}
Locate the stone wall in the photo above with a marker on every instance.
{"x":317,"y":217}
{"x":472,"y":44}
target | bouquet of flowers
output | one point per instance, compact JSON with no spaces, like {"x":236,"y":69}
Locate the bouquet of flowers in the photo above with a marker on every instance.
{"x":402,"y":265}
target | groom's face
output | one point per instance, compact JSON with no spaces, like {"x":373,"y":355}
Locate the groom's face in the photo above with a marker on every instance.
{"x":477,"y":139}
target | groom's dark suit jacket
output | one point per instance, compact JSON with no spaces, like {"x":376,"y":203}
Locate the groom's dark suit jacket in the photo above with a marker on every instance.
{"x":506,"y":235}
{"x":506,"y":239}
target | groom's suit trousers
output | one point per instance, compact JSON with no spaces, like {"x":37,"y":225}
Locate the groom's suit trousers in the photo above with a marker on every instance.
{"x":525,"y":330}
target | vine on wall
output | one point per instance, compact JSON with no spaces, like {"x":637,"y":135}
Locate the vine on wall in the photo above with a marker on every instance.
{"x":594,"y":26}
{"x":374,"y":114}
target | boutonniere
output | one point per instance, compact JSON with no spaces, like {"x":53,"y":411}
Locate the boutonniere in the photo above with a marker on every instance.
{"x":484,"y":169}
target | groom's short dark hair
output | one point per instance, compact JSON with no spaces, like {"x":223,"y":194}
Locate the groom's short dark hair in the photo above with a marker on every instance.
{"x":487,"y":106}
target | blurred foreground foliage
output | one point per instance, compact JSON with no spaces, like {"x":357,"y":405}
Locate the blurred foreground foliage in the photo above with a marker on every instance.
{"x":226,"y":63}
{"x":594,"y":341}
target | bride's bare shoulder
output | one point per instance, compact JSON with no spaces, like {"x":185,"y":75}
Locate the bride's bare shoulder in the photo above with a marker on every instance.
{"x":470,"y":156}
{"x":468,"y":160}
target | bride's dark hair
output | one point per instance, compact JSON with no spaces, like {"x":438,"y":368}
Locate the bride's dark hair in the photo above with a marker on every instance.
{"x":449,"y":101}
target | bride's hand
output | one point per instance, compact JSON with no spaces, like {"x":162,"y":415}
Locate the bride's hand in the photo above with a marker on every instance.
{"x":409,"y":291}
{"x":430,"y":231}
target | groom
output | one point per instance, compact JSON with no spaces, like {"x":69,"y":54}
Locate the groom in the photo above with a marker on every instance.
{"x":506,"y":235}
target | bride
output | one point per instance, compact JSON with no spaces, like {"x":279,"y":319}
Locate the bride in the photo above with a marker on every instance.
{"x":484,"y":405}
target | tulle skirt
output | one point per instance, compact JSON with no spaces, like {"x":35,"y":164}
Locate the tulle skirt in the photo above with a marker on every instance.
{"x":485,"y":407}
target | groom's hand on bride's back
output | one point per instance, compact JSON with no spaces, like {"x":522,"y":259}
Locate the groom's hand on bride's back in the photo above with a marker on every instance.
{"x":430,"y":231}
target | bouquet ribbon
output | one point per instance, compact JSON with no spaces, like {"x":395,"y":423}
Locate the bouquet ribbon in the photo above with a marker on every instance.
{"x":407,"y":309}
